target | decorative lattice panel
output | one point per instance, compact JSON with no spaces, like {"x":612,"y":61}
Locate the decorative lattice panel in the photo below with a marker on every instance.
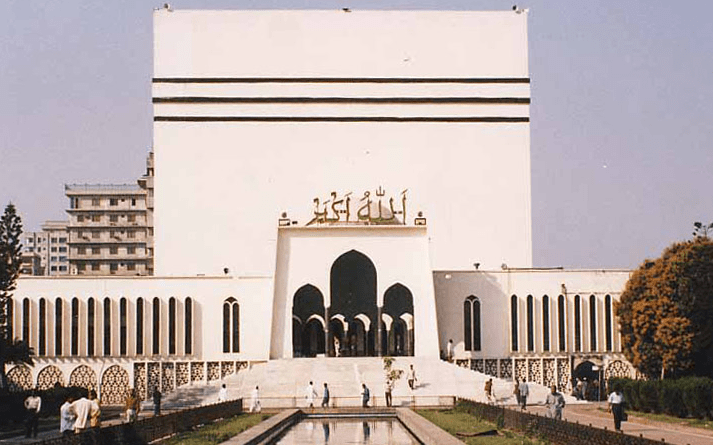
{"x":182,"y":373}
{"x":84,"y":377}
{"x":213,"y":371}
{"x":115,"y":386}
{"x":197,"y":371}
{"x":564,"y":375}
{"x":521,"y":369}
{"x":140,"y":382}
{"x":154,"y":377}
{"x":477,"y":365}
{"x":241,"y":365}
{"x":49,"y":377}
{"x":618,"y":368}
{"x":463,"y":363}
{"x":226,"y":368}
{"x":506,"y":368}
{"x":491,"y":367}
{"x":19,"y":379}
{"x":534,"y":371}
{"x":550,"y":366}
{"x":167,"y":377}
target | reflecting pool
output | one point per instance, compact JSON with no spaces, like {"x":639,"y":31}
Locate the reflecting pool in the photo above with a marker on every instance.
{"x":347,"y":431}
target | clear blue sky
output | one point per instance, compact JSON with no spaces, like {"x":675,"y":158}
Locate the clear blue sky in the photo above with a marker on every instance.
{"x":622,"y":112}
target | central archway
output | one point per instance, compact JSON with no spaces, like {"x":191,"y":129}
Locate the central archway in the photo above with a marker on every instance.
{"x":353,"y":299}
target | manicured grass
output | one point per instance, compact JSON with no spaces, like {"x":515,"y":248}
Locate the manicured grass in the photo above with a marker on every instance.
{"x":455,"y":421}
{"x":217,"y":432}
{"x":696,"y":423}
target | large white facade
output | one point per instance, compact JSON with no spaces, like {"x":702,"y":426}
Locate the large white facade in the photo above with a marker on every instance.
{"x":325,"y":183}
{"x":259,"y":112}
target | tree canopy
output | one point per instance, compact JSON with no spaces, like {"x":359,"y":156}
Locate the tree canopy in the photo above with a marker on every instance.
{"x":11,"y":350}
{"x":666,"y":312}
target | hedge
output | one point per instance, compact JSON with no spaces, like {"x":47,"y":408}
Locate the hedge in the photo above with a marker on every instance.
{"x":684,"y":397}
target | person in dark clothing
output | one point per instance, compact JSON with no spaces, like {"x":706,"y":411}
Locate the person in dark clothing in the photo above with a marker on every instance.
{"x":364,"y":396}
{"x":156,"y":402}
{"x":33,"y":404}
{"x":325,"y":396}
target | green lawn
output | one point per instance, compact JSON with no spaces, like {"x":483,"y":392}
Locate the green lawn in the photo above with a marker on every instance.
{"x":217,"y":432}
{"x":455,"y":421}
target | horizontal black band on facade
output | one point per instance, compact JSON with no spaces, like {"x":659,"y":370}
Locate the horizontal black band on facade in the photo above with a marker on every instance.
{"x":494,"y":119}
{"x":341,"y":80}
{"x":332,"y":100}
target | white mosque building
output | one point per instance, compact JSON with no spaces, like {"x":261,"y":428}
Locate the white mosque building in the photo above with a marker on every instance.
{"x":330,"y":184}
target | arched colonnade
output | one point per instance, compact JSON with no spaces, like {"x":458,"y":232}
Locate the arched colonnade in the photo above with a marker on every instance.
{"x":353,"y":325}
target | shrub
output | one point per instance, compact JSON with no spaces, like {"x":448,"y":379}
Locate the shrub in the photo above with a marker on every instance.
{"x":697,"y":395}
{"x":671,"y":398}
{"x":685,"y":397}
{"x":649,"y":396}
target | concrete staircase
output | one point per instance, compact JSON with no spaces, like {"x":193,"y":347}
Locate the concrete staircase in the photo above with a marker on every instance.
{"x":283,"y":383}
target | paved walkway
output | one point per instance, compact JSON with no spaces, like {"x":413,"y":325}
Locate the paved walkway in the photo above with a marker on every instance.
{"x":591,"y":414}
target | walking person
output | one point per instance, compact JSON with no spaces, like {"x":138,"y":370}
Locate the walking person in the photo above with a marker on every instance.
{"x":156,"y":402}
{"x":310,"y":394}
{"x":411,"y":377}
{"x":33,"y":405}
{"x":66,"y":417}
{"x":524,"y":392}
{"x":365,"y":396}
{"x":489,"y":391}
{"x":516,"y":391}
{"x":255,"y":400}
{"x":223,"y":394}
{"x":555,"y":403}
{"x":325,"y":396}
{"x":449,"y":351}
{"x":615,"y":403}
{"x":131,"y":406}
{"x":388,"y":387}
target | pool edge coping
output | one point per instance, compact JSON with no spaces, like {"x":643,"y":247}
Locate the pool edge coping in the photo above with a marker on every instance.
{"x":421,"y":428}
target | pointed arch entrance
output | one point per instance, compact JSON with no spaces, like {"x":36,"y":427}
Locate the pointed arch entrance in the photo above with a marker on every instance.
{"x":398,"y":310}
{"x":308,"y":324}
{"x":353,"y":301}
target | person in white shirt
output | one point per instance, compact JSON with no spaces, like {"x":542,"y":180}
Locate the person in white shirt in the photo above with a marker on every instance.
{"x":524,"y":392}
{"x":83,"y":409}
{"x":223,"y":393}
{"x":33,"y":405}
{"x":411,"y":377}
{"x":555,"y":403}
{"x":66,"y":417}
{"x":615,"y":403}
{"x":449,"y":350}
{"x":310,"y":394}
{"x":255,"y":400}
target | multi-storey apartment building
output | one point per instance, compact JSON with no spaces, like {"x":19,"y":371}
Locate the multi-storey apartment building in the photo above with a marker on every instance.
{"x":108,"y":229}
{"x":146,"y":183}
{"x":51,"y":245}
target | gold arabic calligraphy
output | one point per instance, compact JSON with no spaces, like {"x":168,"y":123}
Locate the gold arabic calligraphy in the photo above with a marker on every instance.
{"x":340,"y":209}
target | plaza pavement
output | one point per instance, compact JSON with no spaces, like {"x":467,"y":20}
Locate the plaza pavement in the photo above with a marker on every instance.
{"x":595,"y":414}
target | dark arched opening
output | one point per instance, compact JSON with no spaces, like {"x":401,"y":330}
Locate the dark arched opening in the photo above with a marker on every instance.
{"x":308,"y":301}
{"x":353,"y":292}
{"x":398,"y":301}
{"x":312,"y":338}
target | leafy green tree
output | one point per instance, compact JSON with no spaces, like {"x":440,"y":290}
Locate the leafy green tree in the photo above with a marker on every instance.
{"x":11,"y":350}
{"x":666,"y":309}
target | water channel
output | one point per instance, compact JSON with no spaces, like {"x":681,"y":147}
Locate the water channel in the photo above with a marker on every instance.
{"x":347,"y":431}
